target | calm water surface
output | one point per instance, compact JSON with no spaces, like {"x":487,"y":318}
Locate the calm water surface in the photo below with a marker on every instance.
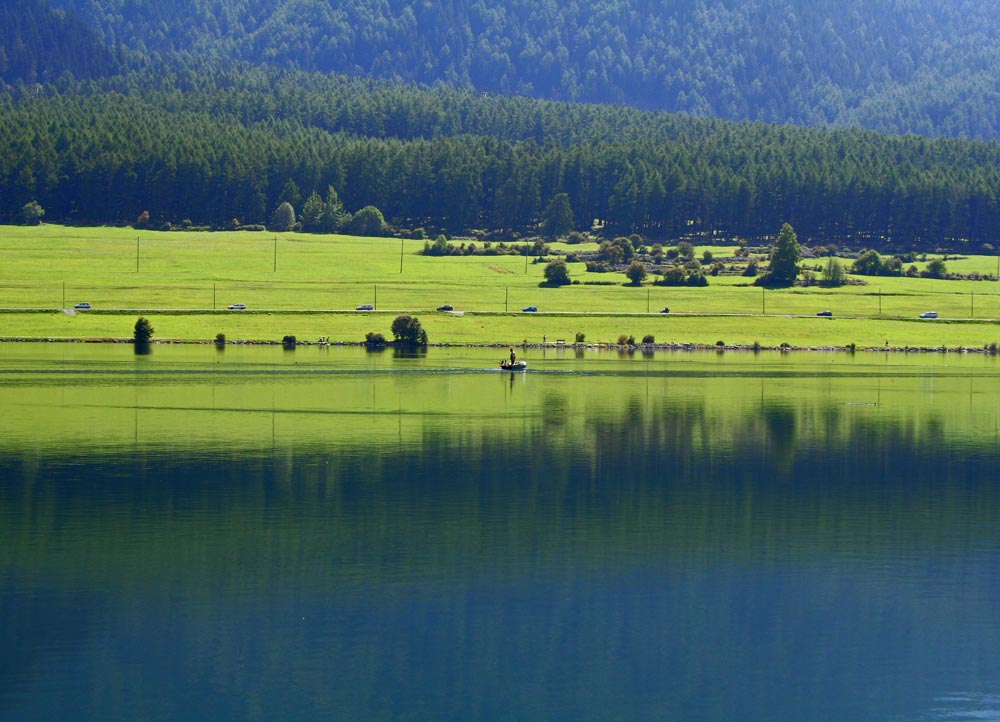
{"x":328,"y":534}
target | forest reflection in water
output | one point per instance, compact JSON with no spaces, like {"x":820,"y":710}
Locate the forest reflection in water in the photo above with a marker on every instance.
{"x":433,"y":544}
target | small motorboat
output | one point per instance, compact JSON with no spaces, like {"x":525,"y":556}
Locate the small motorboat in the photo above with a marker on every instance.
{"x":514,"y":365}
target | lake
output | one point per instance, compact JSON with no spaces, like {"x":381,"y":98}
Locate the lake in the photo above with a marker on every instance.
{"x":325,"y":533}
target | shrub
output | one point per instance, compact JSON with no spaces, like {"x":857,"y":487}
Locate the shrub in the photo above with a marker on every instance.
{"x":288,"y":341}
{"x":283,"y":217}
{"x":556,"y":273}
{"x":580,"y":337}
{"x":369,"y":221}
{"x":648,"y":339}
{"x":373,"y":338}
{"x":220,"y":339}
{"x":31,"y":213}
{"x":636,"y":273}
{"x":623,"y":340}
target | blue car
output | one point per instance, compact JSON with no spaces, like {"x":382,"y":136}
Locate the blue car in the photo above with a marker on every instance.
{"x":530,"y":309}
{"x":365,"y":307}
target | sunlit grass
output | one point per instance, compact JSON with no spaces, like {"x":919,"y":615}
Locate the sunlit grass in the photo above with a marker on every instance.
{"x":185,"y":280}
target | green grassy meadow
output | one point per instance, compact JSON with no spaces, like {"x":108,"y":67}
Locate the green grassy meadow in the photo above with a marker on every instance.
{"x":308,"y":286}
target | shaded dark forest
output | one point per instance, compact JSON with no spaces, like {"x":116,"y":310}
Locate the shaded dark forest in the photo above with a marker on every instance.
{"x":900,"y":66}
{"x":119,"y":130}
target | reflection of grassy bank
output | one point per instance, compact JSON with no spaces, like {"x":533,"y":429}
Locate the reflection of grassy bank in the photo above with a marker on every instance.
{"x":62,"y":398}
{"x":663,"y":483}
{"x":280,"y":276}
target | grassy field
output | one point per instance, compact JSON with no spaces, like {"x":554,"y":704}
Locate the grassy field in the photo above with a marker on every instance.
{"x":309,"y":286}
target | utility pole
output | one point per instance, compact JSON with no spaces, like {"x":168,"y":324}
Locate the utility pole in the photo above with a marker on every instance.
{"x":137,"y":254}
{"x":275,"y":268}
{"x":506,"y":294}
{"x":375,"y":305}
{"x":400,"y":255}
{"x":762,"y":301}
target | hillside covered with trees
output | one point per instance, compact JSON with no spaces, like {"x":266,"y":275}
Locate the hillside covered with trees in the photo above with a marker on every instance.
{"x":223,"y":149}
{"x":39,"y":44}
{"x":900,"y":66}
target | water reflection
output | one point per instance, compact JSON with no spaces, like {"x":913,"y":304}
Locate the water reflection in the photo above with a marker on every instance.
{"x":476,"y":545}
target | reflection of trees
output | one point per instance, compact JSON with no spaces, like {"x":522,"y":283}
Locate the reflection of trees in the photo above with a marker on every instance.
{"x":672,"y":469}
{"x":672,"y":486}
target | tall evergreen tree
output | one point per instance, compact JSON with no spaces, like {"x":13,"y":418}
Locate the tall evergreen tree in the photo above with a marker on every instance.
{"x":784,"y":266}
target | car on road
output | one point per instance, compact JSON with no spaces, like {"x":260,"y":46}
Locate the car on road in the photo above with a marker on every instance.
{"x":664,"y":310}
{"x":530,"y":309}
{"x":365,"y":307}
{"x":83,"y":306}
{"x":929,"y":314}
{"x":825,"y":313}
{"x":238,"y":307}
{"x":446,"y":307}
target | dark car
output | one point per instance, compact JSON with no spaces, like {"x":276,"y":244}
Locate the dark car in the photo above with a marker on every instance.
{"x":530,"y":309}
{"x":446,"y":307}
{"x":825,"y":313}
{"x":929,"y":314}
{"x":664,"y":310}
{"x":365,"y":307}
{"x":82,"y":306}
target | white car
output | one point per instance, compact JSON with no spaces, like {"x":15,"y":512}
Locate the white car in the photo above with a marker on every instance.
{"x":238,"y":307}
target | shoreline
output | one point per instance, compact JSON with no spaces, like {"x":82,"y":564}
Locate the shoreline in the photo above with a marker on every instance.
{"x":753,"y":348}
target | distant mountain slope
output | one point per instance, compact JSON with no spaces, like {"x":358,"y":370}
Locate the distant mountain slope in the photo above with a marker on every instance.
{"x":922,"y":66}
{"x":39,"y":44}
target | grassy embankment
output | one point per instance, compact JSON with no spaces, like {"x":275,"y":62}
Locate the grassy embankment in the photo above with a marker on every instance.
{"x":309,"y":286}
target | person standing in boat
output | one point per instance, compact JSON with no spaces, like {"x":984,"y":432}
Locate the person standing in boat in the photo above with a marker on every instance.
{"x":513,"y":356}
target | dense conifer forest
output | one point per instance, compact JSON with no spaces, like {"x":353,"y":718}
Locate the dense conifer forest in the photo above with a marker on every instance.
{"x":127,"y":132}
{"x":901,"y":66}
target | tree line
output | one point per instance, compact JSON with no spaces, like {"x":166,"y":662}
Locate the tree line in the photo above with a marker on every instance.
{"x":217,"y":147}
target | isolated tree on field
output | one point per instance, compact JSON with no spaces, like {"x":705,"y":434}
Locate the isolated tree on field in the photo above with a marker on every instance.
{"x":283,"y":217}
{"x":407,"y":331}
{"x":636,"y":273}
{"x":369,"y":221}
{"x":784,"y":259}
{"x":32,"y":213}
{"x":143,"y":332}
{"x":868,"y":263}
{"x":556,"y":273}
{"x":557,"y":219}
